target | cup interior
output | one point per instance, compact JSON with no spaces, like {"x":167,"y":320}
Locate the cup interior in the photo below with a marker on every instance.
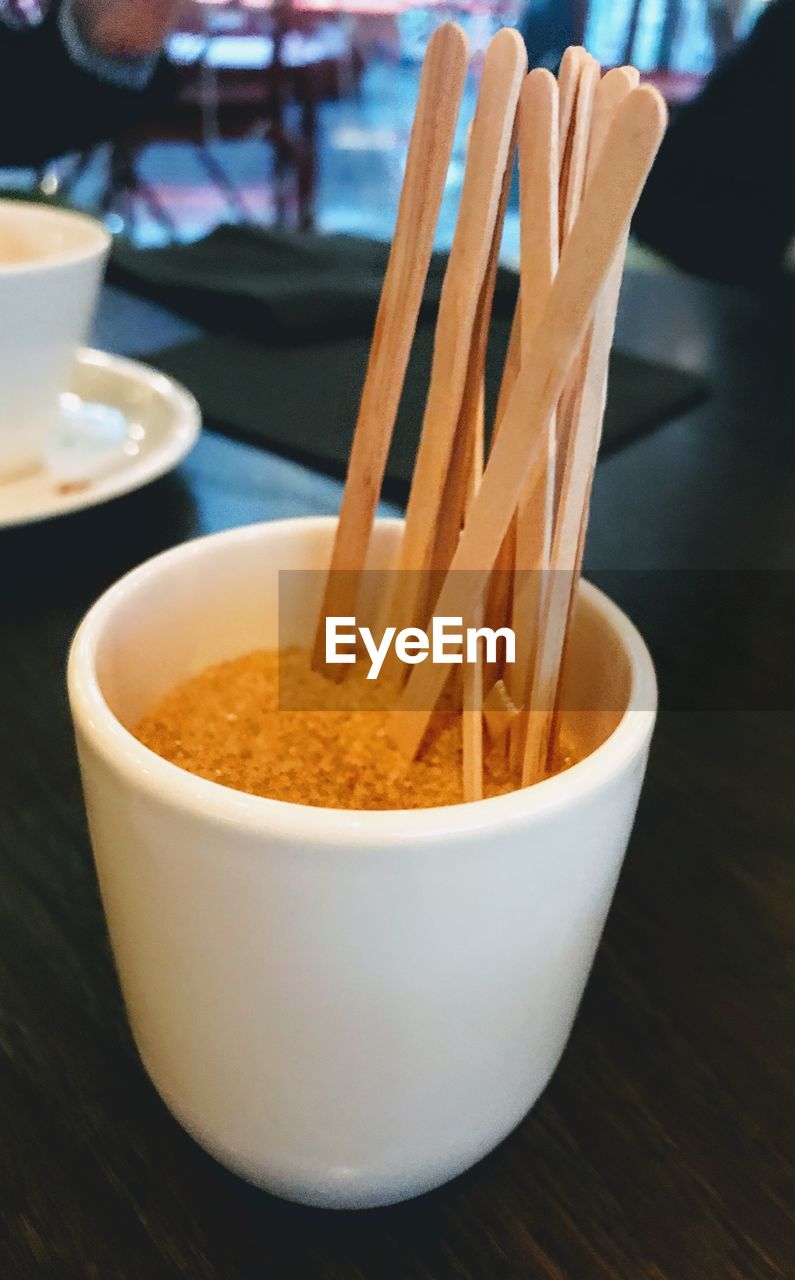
{"x":34,"y":236}
{"x":217,"y":598}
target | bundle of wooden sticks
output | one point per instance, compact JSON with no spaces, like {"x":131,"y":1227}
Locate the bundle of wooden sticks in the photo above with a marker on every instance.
{"x":585,"y":143}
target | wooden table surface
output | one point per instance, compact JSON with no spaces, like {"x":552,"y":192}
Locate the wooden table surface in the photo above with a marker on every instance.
{"x":660,"y":1149}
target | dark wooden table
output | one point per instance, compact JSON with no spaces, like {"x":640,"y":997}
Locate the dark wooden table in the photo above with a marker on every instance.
{"x":659,"y":1151}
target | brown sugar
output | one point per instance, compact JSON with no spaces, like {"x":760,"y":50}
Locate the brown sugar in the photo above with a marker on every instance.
{"x":226,"y":724}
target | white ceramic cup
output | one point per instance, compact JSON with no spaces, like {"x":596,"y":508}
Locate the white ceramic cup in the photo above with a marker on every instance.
{"x":347,"y":1008}
{"x":51,"y":263}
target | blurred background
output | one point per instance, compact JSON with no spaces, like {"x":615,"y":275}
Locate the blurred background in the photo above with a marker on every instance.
{"x":296,"y":113}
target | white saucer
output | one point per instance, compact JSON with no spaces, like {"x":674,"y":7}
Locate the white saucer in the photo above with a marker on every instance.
{"x":121,"y":425}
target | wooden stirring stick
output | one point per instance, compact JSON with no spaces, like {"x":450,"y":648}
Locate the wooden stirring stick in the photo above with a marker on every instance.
{"x":463,"y":479}
{"x":457,"y":491}
{"x":499,"y":591}
{"x":579,"y":464}
{"x":472,"y":425}
{"x":574,"y":147}
{"x":579,"y":77}
{"x":500,"y":604}
{"x":621,"y":170}
{"x":472,"y":679}
{"x":574,"y":159}
{"x":489,"y":147}
{"x":538,"y":195}
{"x":611,"y":91}
{"x":430,"y":147}
{"x":571,"y":67}
{"x":568,"y":78}
{"x":530,"y":537}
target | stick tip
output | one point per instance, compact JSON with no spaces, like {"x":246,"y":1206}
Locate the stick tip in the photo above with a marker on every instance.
{"x":450,"y":37}
{"x":538,"y":102}
{"x":508,"y":43}
{"x":573,"y":58}
{"x":611,"y":91}
{"x":539,"y":81}
{"x":648,"y":105}
{"x":631,"y":75}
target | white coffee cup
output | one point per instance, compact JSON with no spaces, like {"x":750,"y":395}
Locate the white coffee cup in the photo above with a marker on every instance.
{"x":51,"y":263}
{"x":347,"y":1008}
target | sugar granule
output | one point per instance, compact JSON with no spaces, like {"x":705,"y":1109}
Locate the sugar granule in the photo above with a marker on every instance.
{"x":225,"y":724}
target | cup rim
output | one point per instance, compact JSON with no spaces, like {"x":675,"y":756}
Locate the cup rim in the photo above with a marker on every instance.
{"x":68,"y":257}
{"x":217,"y":804}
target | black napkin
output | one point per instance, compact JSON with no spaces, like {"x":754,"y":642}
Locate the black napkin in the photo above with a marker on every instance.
{"x":301,"y":401}
{"x":291,"y":316}
{"x":278,"y":286}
